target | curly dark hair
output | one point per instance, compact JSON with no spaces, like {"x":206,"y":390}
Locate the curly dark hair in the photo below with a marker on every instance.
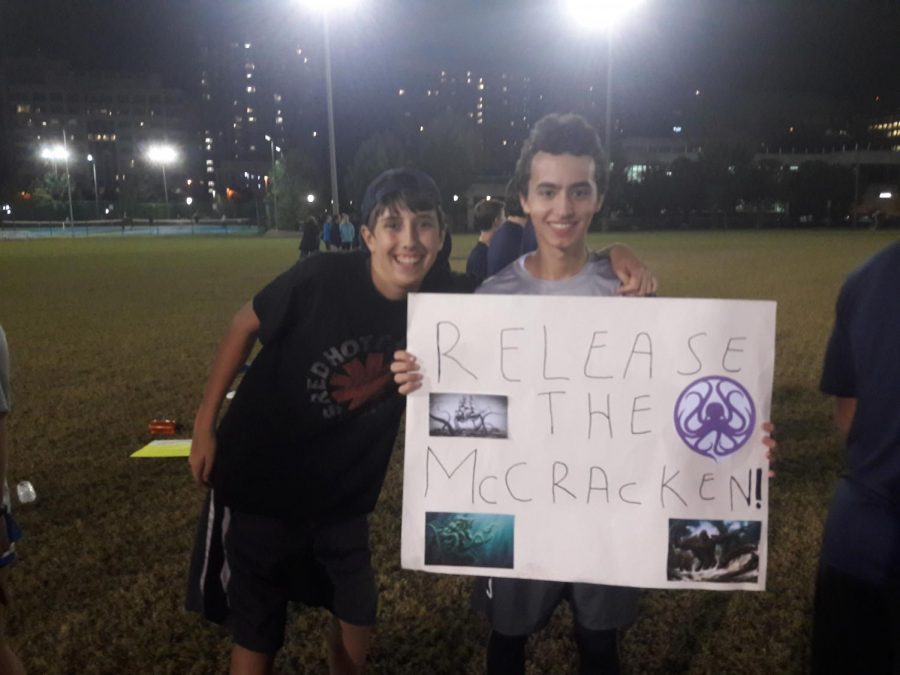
{"x":561,"y":134}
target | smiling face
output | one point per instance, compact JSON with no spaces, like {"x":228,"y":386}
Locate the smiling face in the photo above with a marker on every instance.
{"x":403,"y":245}
{"x":561,"y":201}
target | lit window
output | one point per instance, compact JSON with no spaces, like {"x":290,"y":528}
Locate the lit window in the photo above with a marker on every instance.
{"x":210,"y":169}
{"x":481,"y":86}
{"x":277,"y":98}
{"x":279,"y":120}
{"x":251,"y":119}
{"x":251,"y":89}
{"x":209,"y":162}
{"x":246,"y":45}
{"x":305,"y":59}
{"x":299,"y":51}
{"x":249,"y":76}
{"x":315,"y":133}
{"x":401,"y":92}
{"x":23,"y":108}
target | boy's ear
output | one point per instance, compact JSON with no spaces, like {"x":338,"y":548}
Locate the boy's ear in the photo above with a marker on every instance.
{"x":600,"y":199}
{"x":523,"y":202}
{"x":366,"y":235}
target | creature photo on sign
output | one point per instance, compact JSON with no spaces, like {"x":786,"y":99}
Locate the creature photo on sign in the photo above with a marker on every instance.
{"x":715,"y":416}
{"x":714,"y":550}
{"x":469,"y":539}
{"x":478,"y":415}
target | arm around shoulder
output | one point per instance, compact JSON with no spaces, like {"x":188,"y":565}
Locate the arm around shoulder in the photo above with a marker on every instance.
{"x":636,"y":278}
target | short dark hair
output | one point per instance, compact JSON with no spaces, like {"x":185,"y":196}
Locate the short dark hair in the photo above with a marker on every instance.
{"x":511,"y":204}
{"x":411,"y":187}
{"x":486,"y":213}
{"x":561,"y":134}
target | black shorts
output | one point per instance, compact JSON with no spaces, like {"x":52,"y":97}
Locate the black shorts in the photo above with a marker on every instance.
{"x":321,"y":564}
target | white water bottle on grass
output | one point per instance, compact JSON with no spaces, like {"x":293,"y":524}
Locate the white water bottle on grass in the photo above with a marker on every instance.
{"x":25,"y":492}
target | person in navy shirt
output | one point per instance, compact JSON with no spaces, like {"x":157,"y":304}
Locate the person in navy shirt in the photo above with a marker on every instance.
{"x":856,"y":627}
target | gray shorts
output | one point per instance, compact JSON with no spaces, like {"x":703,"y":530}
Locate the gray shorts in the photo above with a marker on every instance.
{"x":524,"y":606}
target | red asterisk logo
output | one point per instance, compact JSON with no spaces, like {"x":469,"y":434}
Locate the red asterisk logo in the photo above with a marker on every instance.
{"x":362,"y":382}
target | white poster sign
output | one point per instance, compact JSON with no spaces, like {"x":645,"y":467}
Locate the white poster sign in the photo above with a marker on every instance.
{"x":603,"y":440}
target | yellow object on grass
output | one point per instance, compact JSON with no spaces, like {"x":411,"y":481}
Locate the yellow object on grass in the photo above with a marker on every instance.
{"x":167,"y":448}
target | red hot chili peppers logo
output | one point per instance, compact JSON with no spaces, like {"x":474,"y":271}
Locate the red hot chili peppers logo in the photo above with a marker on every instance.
{"x":351,"y":374}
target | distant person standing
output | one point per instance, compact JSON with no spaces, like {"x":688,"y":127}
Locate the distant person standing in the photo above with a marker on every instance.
{"x":326,"y":232}
{"x":488,"y":217}
{"x":334,"y":237}
{"x":506,"y":243}
{"x":347,"y":232}
{"x":9,"y":662}
{"x":856,"y":621}
{"x":309,"y":237}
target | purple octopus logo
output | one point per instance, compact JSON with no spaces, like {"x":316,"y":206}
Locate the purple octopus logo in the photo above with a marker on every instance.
{"x":715,"y":416}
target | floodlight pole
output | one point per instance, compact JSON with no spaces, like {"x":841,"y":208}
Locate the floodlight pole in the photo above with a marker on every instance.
{"x":608,"y":130}
{"x":96,"y":192}
{"x":68,"y":180}
{"x":272,"y":185}
{"x":335,"y":201}
{"x":165,"y":188}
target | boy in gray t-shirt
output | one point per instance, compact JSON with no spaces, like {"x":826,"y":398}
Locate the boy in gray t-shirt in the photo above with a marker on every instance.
{"x":559,"y":175}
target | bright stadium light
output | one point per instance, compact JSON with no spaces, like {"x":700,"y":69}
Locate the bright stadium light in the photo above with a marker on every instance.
{"x":54,"y":152}
{"x":329,"y":5}
{"x":329,"y":8}
{"x":600,"y":14}
{"x":163,"y":155}
{"x":61,"y":152}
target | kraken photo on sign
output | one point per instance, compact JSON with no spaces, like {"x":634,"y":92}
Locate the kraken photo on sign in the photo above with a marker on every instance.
{"x":469,"y":539}
{"x":714,"y":550}
{"x":473,"y":415}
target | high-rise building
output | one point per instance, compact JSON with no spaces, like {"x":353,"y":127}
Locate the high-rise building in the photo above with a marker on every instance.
{"x":112,"y":117}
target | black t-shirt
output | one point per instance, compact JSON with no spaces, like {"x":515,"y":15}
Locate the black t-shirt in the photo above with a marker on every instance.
{"x":311,"y":428}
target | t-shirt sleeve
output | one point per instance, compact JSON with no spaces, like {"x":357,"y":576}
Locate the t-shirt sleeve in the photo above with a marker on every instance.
{"x":5,"y":397}
{"x":838,"y":374}
{"x":278,"y":304}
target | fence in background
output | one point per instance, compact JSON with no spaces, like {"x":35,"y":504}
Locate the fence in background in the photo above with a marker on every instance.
{"x":23,"y":229}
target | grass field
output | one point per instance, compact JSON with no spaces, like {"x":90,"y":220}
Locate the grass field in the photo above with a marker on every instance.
{"x":108,"y":334}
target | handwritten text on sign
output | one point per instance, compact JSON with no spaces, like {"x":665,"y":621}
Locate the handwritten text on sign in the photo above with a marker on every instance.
{"x":603,"y":440}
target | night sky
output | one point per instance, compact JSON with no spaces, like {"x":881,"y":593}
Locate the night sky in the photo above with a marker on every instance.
{"x":739,"y":52}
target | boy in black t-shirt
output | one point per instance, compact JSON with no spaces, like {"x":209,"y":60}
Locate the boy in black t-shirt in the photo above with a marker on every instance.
{"x":298,"y":460}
